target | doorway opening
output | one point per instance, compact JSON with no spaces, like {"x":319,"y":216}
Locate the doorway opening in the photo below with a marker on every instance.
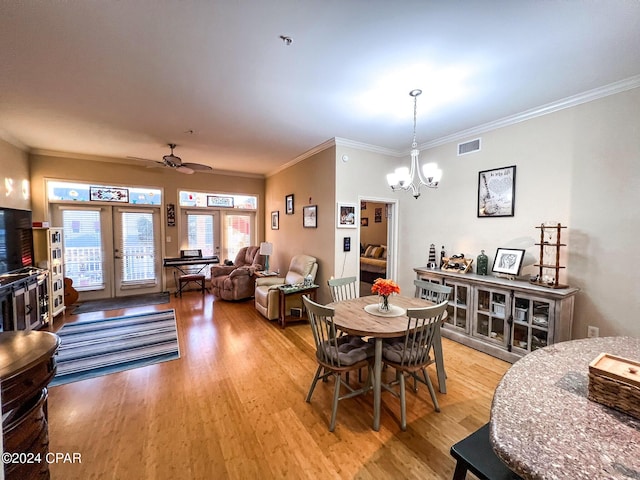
{"x":377,"y":234}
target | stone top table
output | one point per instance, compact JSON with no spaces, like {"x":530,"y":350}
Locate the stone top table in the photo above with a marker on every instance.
{"x":544,"y":427}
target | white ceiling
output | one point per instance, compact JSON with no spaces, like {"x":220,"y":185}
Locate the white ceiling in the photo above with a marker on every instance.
{"x":124,"y":78}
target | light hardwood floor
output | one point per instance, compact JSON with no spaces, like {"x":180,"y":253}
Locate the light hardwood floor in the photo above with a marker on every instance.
{"x":233,"y":406}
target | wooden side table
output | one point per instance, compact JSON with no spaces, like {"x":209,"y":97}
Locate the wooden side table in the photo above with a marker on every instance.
{"x":284,"y":292}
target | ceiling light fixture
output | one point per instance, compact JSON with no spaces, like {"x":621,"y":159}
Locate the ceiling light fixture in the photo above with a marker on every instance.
{"x":403,"y":178}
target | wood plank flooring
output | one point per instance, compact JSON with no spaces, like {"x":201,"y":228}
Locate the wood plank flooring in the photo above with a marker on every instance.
{"x":233,"y":406}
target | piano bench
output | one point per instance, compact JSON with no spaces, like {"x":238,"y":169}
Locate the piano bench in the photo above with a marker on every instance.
{"x":184,"y":280}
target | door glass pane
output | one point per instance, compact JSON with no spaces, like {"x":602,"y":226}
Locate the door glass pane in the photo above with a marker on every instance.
{"x":237,"y":231}
{"x":137,"y":248}
{"x":83,"y":250}
{"x":200,"y":233}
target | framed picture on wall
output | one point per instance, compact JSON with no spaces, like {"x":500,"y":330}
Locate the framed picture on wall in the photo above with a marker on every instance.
{"x":346,"y":215}
{"x":378,"y":215}
{"x":288,"y":204}
{"x":364,"y":222}
{"x":496,"y":192}
{"x":275,"y":220}
{"x":310,"y":216}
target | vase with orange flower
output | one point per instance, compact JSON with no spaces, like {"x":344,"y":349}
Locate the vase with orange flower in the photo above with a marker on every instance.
{"x":384,"y":288}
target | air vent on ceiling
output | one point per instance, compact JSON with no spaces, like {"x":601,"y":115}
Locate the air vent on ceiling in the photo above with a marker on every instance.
{"x":469,"y":147}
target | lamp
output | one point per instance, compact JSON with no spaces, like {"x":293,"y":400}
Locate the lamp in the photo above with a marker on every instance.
{"x":403,"y":178}
{"x":266,"y":249}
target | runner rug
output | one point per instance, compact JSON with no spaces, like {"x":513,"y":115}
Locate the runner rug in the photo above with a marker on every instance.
{"x":99,"y":347}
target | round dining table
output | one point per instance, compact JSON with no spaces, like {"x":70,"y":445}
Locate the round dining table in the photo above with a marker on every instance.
{"x":359,"y":317}
{"x":543,"y":426}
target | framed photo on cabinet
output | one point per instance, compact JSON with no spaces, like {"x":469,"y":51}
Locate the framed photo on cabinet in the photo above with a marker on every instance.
{"x":496,"y":192}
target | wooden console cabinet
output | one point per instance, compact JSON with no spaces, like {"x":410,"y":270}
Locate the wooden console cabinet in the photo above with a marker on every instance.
{"x":27,"y":365}
{"x":504,"y":318}
{"x":24,"y":299}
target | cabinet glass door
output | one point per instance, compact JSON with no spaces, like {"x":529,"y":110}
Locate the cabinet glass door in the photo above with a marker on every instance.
{"x":531,"y":320}
{"x":491,"y":315}
{"x":458,"y":306}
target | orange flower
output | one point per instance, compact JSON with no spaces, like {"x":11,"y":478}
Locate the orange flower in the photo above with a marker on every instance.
{"x":385,"y":287}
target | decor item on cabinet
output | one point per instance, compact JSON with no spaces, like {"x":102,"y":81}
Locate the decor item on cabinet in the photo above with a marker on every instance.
{"x":550,"y":233}
{"x":442,"y":255}
{"x":403,"y":178}
{"x":457,"y":263}
{"x":496,"y":192}
{"x":482,"y":263}
{"x":275,"y":220}
{"x":508,"y":261}
{"x":310,"y":216}
{"x":288,"y":204}
{"x":346,"y":215}
{"x":385,"y":288}
{"x":373,"y":263}
{"x":432,"y":257}
{"x":266,"y":250}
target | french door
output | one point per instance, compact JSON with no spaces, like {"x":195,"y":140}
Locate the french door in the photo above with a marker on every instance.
{"x":111,"y":251}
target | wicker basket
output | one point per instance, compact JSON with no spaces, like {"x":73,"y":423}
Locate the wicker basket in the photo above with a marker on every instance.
{"x":615,"y":382}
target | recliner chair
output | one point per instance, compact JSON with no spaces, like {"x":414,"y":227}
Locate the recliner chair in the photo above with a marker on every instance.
{"x":267,"y":299}
{"x":237,"y":281}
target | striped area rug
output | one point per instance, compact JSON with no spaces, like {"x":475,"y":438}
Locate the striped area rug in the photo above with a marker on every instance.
{"x":100,"y":347}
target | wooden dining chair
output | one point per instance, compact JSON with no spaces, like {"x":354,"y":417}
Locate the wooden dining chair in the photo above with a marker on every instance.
{"x":336,"y":355}
{"x":342,"y":288}
{"x":410,"y":355}
{"x":434,"y":292}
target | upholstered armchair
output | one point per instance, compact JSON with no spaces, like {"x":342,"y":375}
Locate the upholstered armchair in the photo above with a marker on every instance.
{"x":267,"y":299}
{"x":237,"y":281}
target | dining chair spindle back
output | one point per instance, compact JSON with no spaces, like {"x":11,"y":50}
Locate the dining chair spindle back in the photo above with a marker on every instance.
{"x":342,"y":288}
{"x":410,"y":355}
{"x":336,"y":354}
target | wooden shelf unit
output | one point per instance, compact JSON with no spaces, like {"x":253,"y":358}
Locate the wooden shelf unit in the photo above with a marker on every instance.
{"x":547,"y":266}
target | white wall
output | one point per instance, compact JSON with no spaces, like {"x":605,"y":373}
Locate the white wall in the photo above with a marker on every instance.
{"x":579,"y":166}
{"x":14,"y":172}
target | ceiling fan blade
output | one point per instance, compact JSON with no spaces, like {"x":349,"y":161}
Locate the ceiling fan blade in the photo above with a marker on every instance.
{"x":198,"y":167}
{"x":183,"y":169}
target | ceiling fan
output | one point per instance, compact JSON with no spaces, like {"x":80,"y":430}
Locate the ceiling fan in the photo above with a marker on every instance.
{"x":175,"y":162}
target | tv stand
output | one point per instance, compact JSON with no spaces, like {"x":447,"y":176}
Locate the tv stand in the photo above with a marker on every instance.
{"x":24,"y":299}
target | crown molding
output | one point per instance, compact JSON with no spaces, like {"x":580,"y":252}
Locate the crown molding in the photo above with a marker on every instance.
{"x":130,"y":161}
{"x":10,"y":139}
{"x":568,"y":102}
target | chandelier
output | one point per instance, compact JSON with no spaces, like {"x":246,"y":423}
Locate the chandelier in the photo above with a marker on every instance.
{"x":403,"y":178}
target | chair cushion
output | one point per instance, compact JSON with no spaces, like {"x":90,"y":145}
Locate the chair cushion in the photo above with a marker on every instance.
{"x":396,"y":353}
{"x":348,"y":353}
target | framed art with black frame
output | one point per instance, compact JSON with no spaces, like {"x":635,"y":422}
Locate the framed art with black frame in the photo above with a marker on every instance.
{"x":275,"y":220}
{"x":508,"y":261}
{"x":496,"y":192}
{"x":288,"y":204}
{"x":310,"y":216}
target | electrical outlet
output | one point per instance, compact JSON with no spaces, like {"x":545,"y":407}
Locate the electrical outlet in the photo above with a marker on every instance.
{"x":593,"y":331}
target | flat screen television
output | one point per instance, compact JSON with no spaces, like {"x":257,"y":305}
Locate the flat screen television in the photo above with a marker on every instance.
{"x":16,"y":239}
